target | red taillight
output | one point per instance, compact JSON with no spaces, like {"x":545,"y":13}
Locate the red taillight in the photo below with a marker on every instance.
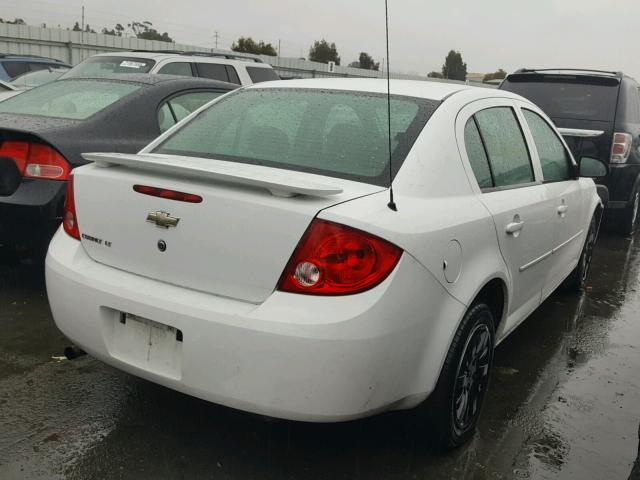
{"x":17,"y":151}
{"x":333,"y":259}
{"x":36,"y":160}
{"x":168,"y":194}
{"x":69,"y":219}
{"x":621,"y":148}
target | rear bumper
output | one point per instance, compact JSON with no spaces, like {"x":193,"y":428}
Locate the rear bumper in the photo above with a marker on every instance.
{"x":294,"y":356}
{"x":32,"y":213}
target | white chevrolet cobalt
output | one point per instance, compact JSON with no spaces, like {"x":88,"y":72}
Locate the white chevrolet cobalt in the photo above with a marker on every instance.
{"x":252,"y":255}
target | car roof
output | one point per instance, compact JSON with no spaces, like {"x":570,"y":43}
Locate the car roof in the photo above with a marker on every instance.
{"x":155,"y":79}
{"x":196,"y":56}
{"x":30,"y":58}
{"x":412,"y":88}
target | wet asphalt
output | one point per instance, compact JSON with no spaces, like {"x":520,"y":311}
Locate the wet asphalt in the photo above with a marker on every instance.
{"x":564,"y":403}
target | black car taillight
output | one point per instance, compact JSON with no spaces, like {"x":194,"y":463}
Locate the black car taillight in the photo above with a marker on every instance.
{"x":621,"y":148}
{"x":36,"y":160}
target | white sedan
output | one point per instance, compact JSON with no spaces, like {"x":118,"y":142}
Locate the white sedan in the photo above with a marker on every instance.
{"x":251,"y":255}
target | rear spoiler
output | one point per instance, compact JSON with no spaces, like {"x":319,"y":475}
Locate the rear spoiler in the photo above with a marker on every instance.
{"x":281,"y":183}
{"x":576,"y":132}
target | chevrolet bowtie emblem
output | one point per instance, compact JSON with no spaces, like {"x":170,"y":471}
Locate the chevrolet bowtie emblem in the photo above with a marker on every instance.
{"x":163,"y":219}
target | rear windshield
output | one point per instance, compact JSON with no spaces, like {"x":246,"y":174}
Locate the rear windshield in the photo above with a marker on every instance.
{"x":258,"y":74}
{"x":101,"y":66}
{"x":333,"y":133}
{"x":72,"y":99}
{"x":570,"y":97}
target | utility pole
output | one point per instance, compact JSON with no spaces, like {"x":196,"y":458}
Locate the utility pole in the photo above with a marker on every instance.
{"x":279,"y":47}
{"x":216,"y":36}
{"x":82,"y":32}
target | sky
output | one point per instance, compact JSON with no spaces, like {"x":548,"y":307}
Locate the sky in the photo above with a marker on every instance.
{"x":490,"y":34}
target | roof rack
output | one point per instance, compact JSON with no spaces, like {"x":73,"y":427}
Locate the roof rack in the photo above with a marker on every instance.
{"x":19,"y":55}
{"x":570,"y":70}
{"x":229,"y":56}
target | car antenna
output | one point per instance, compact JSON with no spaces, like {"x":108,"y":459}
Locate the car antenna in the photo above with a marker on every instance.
{"x":392,"y":204}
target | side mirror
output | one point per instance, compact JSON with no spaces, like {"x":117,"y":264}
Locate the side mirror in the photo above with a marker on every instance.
{"x":593,"y":168}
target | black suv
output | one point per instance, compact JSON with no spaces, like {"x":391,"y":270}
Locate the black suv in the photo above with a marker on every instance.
{"x":598,"y":113}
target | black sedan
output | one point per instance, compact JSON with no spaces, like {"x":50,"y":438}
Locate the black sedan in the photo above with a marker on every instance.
{"x":44,"y":131}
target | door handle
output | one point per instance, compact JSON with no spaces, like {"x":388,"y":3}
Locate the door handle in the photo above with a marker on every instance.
{"x":514,"y":227}
{"x":562,"y":209}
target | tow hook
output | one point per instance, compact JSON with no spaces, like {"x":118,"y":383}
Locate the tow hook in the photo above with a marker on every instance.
{"x":73,"y":352}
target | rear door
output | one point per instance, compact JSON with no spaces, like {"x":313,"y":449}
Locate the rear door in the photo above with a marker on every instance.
{"x":510,"y":188}
{"x":566,"y":211}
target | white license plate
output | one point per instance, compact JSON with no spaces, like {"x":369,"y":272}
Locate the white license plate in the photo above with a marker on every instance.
{"x":148,"y":345}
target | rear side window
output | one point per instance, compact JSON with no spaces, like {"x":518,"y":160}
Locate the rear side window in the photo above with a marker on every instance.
{"x":178,"y":108}
{"x":177,"y":68}
{"x":505,"y":146}
{"x":214,"y":71}
{"x":15,"y":68}
{"x":477,"y":155}
{"x":310,"y":130}
{"x":258,"y":74}
{"x":554,"y":159}
{"x":72,"y":99}
{"x":233,"y":75}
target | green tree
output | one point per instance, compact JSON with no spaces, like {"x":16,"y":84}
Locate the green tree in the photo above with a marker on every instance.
{"x":15,"y":21}
{"x":367,"y":62}
{"x":88,"y":29}
{"x":248,"y":45}
{"x":323,"y":52}
{"x":76,"y":27}
{"x":454,"y":68}
{"x":499,"y":75}
{"x":115,"y":31}
{"x":434,"y":75}
{"x":145,"y":31}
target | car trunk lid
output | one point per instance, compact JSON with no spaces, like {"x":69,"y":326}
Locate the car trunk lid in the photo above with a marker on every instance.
{"x":235,"y":242}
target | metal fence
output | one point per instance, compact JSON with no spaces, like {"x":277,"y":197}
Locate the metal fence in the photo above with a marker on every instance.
{"x":73,"y":47}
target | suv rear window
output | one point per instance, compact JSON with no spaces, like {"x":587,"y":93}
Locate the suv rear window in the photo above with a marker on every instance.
{"x":568,"y":96}
{"x":333,"y":133}
{"x":101,"y":66}
{"x":72,"y":99}
{"x":258,"y":74}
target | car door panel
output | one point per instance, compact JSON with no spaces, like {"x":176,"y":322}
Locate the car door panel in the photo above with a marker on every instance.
{"x":565,"y":211}
{"x":525,"y":239}
{"x":517,"y":201}
{"x":568,"y":227}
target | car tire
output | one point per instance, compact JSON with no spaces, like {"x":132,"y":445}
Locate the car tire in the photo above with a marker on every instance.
{"x":576,"y":281}
{"x":629,"y":216}
{"x":454,"y":407}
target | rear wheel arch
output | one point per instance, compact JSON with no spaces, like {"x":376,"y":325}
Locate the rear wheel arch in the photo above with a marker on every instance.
{"x":494,"y":295}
